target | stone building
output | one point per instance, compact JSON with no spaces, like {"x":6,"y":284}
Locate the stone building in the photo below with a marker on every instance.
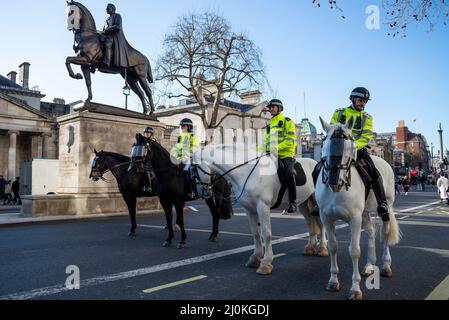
{"x":28,"y":127}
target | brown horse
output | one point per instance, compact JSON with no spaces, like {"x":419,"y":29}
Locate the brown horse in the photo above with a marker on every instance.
{"x":89,"y":47}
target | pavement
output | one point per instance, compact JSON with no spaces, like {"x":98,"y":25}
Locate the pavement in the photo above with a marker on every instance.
{"x":38,"y":260}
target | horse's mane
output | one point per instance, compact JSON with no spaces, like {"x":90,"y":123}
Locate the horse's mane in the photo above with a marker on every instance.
{"x":118,"y":156}
{"x":86,"y":12}
{"x":160,"y":148}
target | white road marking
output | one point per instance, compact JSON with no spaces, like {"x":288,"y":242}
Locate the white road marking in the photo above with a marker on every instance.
{"x":424,"y":223}
{"x":441,"y":292}
{"x":205,"y":231}
{"x":193,"y":209}
{"x":60,"y":288}
{"x":173,"y":284}
{"x":276,"y":216}
{"x":403,"y":218}
{"x":279,"y":255}
{"x":418,"y":207}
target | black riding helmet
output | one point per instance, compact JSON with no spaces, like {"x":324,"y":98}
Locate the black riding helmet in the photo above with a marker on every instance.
{"x":186,"y":122}
{"x":360,"y":92}
{"x":149,"y":130}
{"x":277,"y":103}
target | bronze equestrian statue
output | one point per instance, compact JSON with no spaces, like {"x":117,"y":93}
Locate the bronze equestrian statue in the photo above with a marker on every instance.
{"x":107,"y":51}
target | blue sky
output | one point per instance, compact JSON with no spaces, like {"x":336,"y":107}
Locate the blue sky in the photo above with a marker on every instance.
{"x":305,"y":49}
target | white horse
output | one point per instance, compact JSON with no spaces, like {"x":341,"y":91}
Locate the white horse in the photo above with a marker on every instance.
{"x":256,"y":186}
{"x":341,"y":196}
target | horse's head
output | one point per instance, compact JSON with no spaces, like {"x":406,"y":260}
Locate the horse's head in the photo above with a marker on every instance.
{"x":78,"y":16}
{"x":99,"y":166}
{"x":339,"y":151}
{"x":73,"y":16}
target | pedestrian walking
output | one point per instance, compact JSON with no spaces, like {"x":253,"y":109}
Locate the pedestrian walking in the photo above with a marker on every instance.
{"x":16,"y":190}
{"x":443,"y":185}
{"x":2,"y":187}
{"x":8,"y":191}
{"x":396,"y":186}
{"x":406,"y":185}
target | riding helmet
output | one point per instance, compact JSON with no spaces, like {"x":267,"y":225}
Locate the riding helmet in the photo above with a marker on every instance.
{"x":277,"y":103}
{"x":360,"y":92}
{"x":149,"y":129}
{"x":186,"y":122}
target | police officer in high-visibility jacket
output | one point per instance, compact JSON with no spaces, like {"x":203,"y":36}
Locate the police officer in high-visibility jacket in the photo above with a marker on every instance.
{"x":363,"y":133}
{"x":280,"y":140}
{"x":183,"y":150}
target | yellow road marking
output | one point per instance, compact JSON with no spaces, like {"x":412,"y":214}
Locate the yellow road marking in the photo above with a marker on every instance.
{"x":441,"y":292}
{"x":173,"y":284}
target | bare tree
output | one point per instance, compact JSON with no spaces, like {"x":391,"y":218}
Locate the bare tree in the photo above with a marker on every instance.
{"x":203,"y":58}
{"x":401,"y":13}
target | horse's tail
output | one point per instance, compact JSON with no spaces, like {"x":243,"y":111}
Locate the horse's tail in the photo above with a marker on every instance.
{"x":149,"y":72}
{"x":394,"y":235}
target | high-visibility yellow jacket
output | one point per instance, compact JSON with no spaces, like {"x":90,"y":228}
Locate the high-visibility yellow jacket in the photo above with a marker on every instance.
{"x":187,"y":144}
{"x":363,"y":124}
{"x":280,"y":137}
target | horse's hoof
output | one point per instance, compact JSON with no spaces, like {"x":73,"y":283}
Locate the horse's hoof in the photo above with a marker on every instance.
{"x":213,"y":238}
{"x":181,"y":246}
{"x":265,"y":269}
{"x":131,"y":234}
{"x":368,"y":272}
{"x":323,"y":252}
{"x":333,"y":287}
{"x":253,"y":263}
{"x":386,"y":272}
{"x":358,"y":295}
{"x":166,"y":244}
{"x":78,"y":76}
{"x":309,"y":251}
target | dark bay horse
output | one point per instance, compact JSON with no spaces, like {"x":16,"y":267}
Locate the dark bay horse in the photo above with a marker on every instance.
{"x":90,"y":56}
{"x":130,"y":184}
{"x":170,"y":188}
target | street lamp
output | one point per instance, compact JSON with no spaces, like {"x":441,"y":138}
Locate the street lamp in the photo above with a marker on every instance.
{"x":126,"y":92}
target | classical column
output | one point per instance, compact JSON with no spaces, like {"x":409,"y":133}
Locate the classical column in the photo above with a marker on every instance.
{"x":46,"y":145}
{"x":12,"y":154}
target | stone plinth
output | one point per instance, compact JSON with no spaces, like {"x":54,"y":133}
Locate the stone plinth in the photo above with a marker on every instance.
{"x":91,"y":126}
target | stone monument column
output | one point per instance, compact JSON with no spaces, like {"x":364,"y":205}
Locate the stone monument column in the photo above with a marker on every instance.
{"x":12,"y":154}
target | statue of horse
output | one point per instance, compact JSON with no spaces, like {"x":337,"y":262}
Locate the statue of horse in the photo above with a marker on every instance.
{"x":256,"y":186}
{"x":342,"y":195}
{"x":90,"y":51}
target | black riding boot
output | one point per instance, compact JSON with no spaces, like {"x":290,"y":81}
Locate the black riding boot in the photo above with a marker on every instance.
{"x":379,"y":192}
{"x":291,"y":183}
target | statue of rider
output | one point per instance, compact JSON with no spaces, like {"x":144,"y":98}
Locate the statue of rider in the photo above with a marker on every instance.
{"x":116,"y":52}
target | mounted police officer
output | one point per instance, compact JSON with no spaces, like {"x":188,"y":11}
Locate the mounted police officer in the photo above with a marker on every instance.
{"x":363,"y":133}
{"x":182,"y":153}
{"x":280,"y":140}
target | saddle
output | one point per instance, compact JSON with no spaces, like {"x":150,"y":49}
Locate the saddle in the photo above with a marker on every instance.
{"x":300,"y":177}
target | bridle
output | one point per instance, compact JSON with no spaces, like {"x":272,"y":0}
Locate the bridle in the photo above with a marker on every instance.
{"x":334,"y":168}
{"x":101,"y":173}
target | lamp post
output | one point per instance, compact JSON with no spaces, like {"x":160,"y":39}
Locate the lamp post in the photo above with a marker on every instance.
{"x":126,"y":93}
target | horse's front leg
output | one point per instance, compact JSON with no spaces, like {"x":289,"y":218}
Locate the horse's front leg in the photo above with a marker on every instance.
{"x":86,"y":73}
{"x":167,"y":206}
{"x":354,"y":250}
{"x":371,"y":257}
{"x":68,"y":64}
{"x":333,"y":284}
{"x":131,"y":202}
{"x":179,"y":206}
{"x":215,"y":219}
{"x":266,"y":266}
{"x":254,"y":259}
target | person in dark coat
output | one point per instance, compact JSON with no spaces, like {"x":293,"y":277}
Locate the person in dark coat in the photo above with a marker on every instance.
{"x":15,"y":191}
